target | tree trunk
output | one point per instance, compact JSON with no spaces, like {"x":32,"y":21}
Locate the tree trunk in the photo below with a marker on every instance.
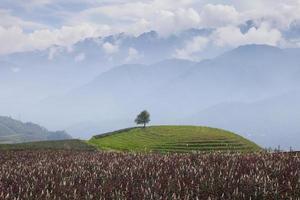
{"x":144,"y":125}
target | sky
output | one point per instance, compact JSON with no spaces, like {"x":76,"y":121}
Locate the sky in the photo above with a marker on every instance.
{"x":27,"y":25}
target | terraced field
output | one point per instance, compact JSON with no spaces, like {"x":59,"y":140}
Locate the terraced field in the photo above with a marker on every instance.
{"x":173,"y":139}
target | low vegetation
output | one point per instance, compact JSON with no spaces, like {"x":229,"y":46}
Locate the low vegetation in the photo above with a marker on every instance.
{"x":172,"y":139}
{"x":49,"y":145}
{"x":110,"y":175}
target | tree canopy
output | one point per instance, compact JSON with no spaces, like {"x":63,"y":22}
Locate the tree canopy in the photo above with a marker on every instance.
{"x":143,"y":118}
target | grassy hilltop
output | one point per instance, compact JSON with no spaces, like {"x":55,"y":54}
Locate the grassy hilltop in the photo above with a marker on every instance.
{"x":172,"y":139}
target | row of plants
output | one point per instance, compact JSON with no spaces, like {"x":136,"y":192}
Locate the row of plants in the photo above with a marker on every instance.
{"x":110,"y":175}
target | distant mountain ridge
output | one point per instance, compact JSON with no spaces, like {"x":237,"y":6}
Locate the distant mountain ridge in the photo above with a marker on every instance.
{"x":59,"y":69}
{"x":175,"y":90}
{"x":14,"y":131}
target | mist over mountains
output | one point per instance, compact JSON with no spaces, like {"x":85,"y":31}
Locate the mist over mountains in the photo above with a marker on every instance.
{"x":15,"y":131}
{"x":59,"y":69}
{"x":100,"y":84}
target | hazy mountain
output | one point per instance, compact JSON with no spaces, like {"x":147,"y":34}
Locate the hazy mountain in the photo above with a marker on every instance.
{"x":114,"y":95}
{"x":248,"y":73}
{"x":28,"y":77}
{"x":14,"y":131}
{"x":174,"y":90}
{"x":80,"y":88}
{"x":270,"y":122}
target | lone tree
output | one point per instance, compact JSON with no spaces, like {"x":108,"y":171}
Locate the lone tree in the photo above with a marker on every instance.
{"x":143,"y":118}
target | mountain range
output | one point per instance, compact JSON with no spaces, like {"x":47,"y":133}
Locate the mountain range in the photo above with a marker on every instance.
{"x":15,"y":131}
{"x":252,"y":89}
{"x":35,"y":75}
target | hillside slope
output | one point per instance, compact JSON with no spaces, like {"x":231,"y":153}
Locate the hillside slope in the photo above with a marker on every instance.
{"x":173,"y":139}
{"x":14,"y":131}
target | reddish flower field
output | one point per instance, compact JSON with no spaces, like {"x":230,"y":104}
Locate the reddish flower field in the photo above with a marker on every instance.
{"x":104,"y":175}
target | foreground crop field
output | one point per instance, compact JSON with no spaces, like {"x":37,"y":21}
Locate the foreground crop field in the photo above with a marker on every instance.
{"x":110,"y":175}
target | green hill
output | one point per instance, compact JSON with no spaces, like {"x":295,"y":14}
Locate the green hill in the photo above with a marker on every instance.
{"x":173,"y":139}
{"x":49,"y":145}
{"x":15,"y":131}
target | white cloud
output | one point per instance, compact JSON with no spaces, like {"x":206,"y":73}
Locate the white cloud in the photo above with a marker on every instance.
{"x":133,"y":54}
{"x":33,"y":3}
{"x":219,"y":15}
{"x":137,"y":17}
{"x":110,"y":48}
{"x":232,"y":36}
{"x":196,"y":45}
{"x":166,"y":16}
{"x":54,"y":51}
{"x":14,"y":39}
{"x":80,"y":57}
{"x":167,"y":22}
{"x":279,"y":14}
{"x":98,"y":18}
{"x":8,"y":20}
{"x":11,"y":39}
{"x":67,"y":35}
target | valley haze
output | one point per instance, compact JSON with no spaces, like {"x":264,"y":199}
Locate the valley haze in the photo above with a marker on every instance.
{"x":252,"y":90}
{"x":181,"y":61}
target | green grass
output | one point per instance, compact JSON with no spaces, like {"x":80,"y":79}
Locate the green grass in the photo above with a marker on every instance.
{"x":49,"y":145}
{"x":172,"y":139}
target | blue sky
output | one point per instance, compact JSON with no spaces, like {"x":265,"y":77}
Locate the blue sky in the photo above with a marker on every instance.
{"x":38,"y":24}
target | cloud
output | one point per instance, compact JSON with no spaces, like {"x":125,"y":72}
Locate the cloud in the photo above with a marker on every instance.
{"x":137,"y":17}
{"x":133,"y":54}
{"x":219,"y":15}
{"x":34,"y":3}
{"x":196,"y":45}
{"x":167,"y":22}
{"x":14,"y":39}
{"x":110,"y":48}
{"x":80,"y":57}
{"x":11,"y":39}
{"x":53,"y":22}
{"x":8,"y":20}
{"x":279,"y":14}
{"x":166,"y":16}
{"x":67,"y":35}
{"x":232,"y":36}
{"x":54,"y":51}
